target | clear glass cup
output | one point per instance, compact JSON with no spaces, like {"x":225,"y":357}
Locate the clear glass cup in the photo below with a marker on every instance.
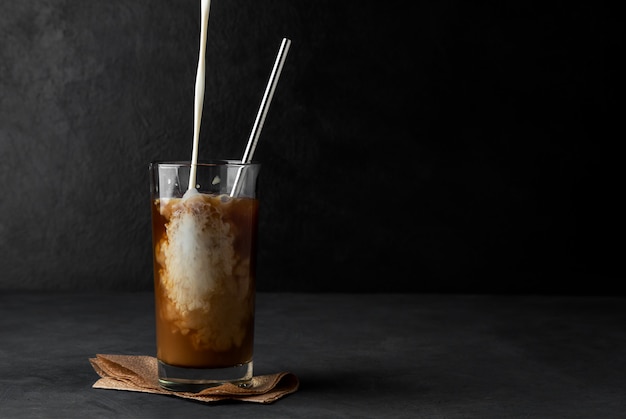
{"x":204,"y":248}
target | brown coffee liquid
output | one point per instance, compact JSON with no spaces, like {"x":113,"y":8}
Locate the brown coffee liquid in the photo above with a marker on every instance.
{"x":204,"y":277}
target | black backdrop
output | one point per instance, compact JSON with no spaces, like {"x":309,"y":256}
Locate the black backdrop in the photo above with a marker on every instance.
{"x":437,"y":147}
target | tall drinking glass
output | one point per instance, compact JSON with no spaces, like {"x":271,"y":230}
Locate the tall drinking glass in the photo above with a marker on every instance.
{"x":204,"y":242}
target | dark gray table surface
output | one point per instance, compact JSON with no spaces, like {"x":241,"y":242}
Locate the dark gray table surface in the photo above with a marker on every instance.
{"x":357,"y":356}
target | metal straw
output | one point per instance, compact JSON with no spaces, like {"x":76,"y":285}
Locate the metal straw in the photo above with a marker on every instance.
{"x":260,"y":117}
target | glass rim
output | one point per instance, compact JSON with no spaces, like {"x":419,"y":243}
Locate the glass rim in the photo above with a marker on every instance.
{"x":203,"y":163}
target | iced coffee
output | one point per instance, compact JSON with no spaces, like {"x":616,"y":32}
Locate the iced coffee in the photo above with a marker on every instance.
{"x":204,"y":274}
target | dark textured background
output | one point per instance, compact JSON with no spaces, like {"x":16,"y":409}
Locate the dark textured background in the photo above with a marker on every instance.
{"x":443,"y":147}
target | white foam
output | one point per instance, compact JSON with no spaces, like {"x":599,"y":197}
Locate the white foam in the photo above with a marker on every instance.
{"x":199,"y":254}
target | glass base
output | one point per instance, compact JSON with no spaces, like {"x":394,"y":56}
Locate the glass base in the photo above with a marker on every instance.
{"x":194,"y":380}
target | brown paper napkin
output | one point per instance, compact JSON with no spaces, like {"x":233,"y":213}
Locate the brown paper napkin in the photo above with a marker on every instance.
{"x":140,"y":373}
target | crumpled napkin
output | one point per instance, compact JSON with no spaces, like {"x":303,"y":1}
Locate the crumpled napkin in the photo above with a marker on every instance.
{"x":140,"y":373}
